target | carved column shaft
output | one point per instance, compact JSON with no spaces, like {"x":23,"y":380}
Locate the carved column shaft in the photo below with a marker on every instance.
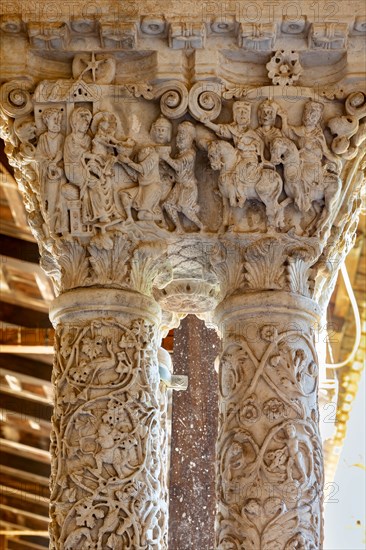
{"x":108,"y":486}
{"x":269,"y":458}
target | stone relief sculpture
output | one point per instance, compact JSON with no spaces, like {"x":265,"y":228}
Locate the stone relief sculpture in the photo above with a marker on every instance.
{"x":264,"y":472}
{"x":108,"y":453}
{"x":49,"y":155}
{"x":197,"y":207}
{"x":318,"y":180}
{"x":267,"y":131}
{"x":146,"y":197}
{"x":184,"y":195}
{"x":91,"y":199}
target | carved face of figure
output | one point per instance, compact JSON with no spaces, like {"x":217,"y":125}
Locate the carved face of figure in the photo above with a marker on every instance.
{"x":161,"y":131}
{"x":267,"y":112}
{"x":26,"y":130}
{"x":291,"y":430}
{"x":228,"y":544}
{"x":82,"y":120}
{"x":107,"y":125}
{"x":53,"y":121}
{"x":241,"y":113}
{"x":312,"y":114}
{"x":236,"y":450}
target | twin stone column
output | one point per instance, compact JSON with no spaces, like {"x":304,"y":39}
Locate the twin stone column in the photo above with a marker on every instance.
{"x":109,"y":456}
{"x":123,"y":281}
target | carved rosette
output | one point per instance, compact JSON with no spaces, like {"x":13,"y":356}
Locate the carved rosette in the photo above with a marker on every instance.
{"x":108,"y":478}
{"x":269,"y":454}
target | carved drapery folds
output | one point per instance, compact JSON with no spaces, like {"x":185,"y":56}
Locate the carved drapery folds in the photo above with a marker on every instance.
{"x":189,"y":195}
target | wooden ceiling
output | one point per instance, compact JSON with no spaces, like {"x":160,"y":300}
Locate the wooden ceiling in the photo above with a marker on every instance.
{"x":26,"y":339}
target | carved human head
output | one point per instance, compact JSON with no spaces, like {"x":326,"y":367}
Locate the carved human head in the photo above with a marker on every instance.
{"x":108,"y":123}
{"x":227,"y":543}
{"x":161,"y":130}
{"x":313,"y":111}
{"x":290,"y":430}
{"x":80,"y":119}
{"x":236,"y":448}
{"x":185,"y":135}
{"x":25,"y":129}
{"x":52,"y":119}
{"x":241,"y":112}
{"x":267,"y":112}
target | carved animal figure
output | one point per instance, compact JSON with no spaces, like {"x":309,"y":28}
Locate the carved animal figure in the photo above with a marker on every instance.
{"x":241,"y":180}
{"x":116,"y":449}
{"x":305,"y":195}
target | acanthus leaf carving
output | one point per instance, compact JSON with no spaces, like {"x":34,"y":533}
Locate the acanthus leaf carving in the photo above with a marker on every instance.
{"x":74,"y":265}
{"x":108,"y":258}
{"x":265,"y":265}
{"x":149,"y":268}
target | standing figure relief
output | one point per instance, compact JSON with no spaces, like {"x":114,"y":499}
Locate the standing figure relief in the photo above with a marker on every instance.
{"x":184,"y":195}
{"x":49,"y":155}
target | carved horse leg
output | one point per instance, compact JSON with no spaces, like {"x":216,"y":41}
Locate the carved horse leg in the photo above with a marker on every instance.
{"x":331,"y":196}
{"x":269,"y":189}
{"x":173,"y":214}
{"x":191,"y":215}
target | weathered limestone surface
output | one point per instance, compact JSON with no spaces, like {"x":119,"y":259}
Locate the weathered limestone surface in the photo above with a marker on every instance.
{"x":207,"y":161}
{"x":269,"y":456}
{"x":108,"y":474}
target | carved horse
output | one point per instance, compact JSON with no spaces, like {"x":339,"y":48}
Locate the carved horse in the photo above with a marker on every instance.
{"x":296,"y":183}
{"x":241,"y":180}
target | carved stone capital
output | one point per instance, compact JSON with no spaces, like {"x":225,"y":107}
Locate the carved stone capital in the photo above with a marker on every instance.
{"x":189,"y":161}
{"x":120,"y":196}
